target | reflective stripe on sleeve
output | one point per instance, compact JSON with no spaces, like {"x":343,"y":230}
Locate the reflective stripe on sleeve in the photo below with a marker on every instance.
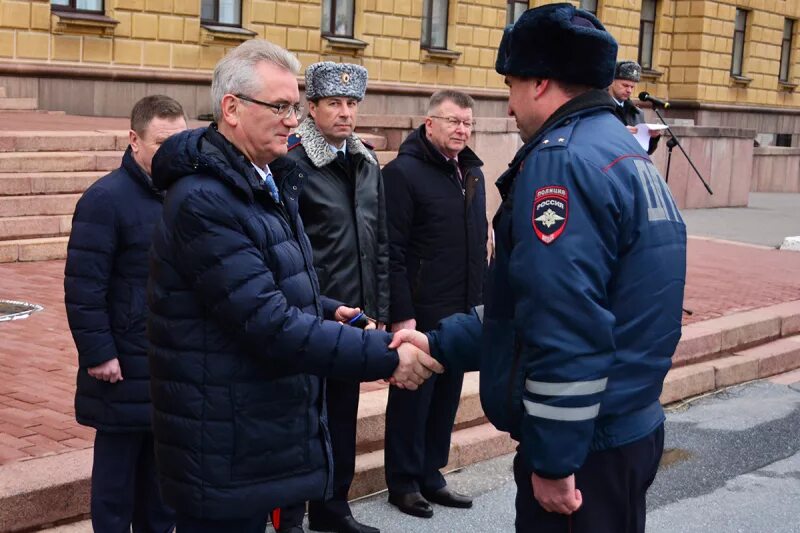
{"x":479,"y":312}
{"x":572,"y":388}
{"x":566,"y":414}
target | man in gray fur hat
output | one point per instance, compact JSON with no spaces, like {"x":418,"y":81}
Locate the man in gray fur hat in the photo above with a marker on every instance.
{"x":626,"y":75}
{"x":343,"y":210}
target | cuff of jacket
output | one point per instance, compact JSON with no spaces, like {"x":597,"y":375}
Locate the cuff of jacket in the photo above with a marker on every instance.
{"x":96,"y":355}
{"x":329,"y":307}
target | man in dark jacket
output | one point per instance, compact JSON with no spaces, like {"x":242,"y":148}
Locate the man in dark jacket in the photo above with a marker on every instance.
{"x":584,"y":292}
{"x":238,"y":344}
{"x":626,"y":75}
{"x":437,"y":231}
{"x":104,"y":291}
{"x":344,"y":213}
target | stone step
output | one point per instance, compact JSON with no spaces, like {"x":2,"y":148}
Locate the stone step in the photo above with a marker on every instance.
{"x":27,"y":227}
{"x":25,"y":183}
{"x":385,"y":156}
{"x":39,"y":249}
{"x":59,"y":161}
{"x":43,"y":204}
{"x":62,"y":141}
{"x":739,"y":366}
{"x":18,"y":104}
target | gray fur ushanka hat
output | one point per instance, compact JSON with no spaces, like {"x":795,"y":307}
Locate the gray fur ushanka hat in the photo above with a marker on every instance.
{"x":559,"y":42}
{"x":628,"y":70}
{"x":335,"y":79}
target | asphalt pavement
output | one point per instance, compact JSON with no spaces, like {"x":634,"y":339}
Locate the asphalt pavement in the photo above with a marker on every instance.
{"x":732,"y":465}
{"x":767,"y":220}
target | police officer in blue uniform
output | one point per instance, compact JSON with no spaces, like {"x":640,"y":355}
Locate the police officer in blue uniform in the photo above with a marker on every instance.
{"x":583,"y":301}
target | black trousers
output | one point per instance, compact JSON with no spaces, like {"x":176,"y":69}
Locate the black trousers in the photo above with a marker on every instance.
{"x":125,"y":490}
{"x":342,"y":402}
{"x":613,"y":484}
{"x":187,"y":524}
{"x":419,"y":425}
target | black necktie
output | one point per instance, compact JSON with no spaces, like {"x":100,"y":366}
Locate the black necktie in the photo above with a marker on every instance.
{"x":341,"y":157}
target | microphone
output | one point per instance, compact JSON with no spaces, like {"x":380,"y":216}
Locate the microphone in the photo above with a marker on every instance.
{"x":645,"y":96}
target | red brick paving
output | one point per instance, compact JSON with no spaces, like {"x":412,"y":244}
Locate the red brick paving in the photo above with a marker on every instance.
{"x":37,"y":356}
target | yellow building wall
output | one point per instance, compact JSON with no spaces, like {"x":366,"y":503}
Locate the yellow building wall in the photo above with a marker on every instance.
{"x":692,"y":56}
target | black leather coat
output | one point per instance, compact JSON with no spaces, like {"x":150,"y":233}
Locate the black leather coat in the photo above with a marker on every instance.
{"x":344,"y":214}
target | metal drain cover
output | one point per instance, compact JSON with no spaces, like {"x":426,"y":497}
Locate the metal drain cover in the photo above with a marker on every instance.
{"x":12,"y":310}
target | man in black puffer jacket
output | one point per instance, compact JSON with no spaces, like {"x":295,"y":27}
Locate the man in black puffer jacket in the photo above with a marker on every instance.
{"x":239,"y":347}
{"x":104,"y":291}
{"x":437,"y":235}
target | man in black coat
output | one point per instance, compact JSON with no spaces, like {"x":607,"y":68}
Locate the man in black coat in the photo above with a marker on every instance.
{"x":239,"y":347}
{"x":626,"y":75}
{"x":343,"y":211}
{"x":104,"y":292}
{"x":437,"y":233}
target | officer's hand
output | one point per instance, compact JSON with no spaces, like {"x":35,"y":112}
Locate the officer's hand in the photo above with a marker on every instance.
{"x":414,"y":368}
{"x":108,"y":371}
{"x":557,"y":495}
{"x":404,"y":324}
{"x":632,"y":129}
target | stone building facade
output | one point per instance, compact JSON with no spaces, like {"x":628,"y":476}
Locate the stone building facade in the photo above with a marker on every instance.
{"x":731,"y":63}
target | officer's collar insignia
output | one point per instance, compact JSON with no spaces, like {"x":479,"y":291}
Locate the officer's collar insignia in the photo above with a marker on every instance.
{"x":550,"y":212}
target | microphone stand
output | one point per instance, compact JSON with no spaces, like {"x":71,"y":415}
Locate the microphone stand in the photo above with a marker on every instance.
{"x":672,"y":142}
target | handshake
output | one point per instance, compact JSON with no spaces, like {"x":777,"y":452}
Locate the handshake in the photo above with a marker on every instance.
{"x":416,"y":365}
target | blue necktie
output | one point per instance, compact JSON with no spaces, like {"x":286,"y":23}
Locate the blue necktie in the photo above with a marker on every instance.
{"x":273,"y":189}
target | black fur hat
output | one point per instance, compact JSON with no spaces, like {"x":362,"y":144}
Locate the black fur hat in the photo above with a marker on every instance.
{"x":560,"y":42}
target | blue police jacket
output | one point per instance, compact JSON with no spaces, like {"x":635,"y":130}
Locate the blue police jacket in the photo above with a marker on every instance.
{"x":584,"y":296}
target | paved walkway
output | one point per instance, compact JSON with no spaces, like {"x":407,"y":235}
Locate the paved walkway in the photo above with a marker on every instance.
{"x":37,"y":355}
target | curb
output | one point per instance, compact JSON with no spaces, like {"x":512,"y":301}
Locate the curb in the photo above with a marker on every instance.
{"x":711,"y":354}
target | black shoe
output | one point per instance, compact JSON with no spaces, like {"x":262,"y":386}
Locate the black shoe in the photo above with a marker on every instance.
{"x":344,"y":524}
{"x":448,"y":498}
{"x":412,"y":503}
{"x":291,"y":529}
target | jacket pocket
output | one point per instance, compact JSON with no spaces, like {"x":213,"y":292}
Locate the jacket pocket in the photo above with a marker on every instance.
{"x":271,"y":433}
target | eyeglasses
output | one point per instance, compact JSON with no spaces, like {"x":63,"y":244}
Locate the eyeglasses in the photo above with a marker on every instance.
{"x":284,"y":111}
{"x":454,"y":122}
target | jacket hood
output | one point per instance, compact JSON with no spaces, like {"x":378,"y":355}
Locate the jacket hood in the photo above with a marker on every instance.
{"x":418,"y":146}
{"x":204,"y":151}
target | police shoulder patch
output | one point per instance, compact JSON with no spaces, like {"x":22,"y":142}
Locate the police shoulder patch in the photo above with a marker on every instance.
{"x":293,"y":141}
{"x":550,"y":212}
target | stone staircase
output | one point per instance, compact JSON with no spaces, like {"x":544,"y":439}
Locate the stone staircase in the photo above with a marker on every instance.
{"x":44,"y":173}
{"x":42,"y":176}
{"x":711,"y":355}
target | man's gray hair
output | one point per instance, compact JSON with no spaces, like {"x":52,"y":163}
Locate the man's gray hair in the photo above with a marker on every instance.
{"x":236,"y":74}
{"x":462,"y":100}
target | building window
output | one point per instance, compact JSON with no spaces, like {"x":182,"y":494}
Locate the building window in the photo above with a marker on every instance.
{"x":515,"y":10}
{"x":224,"y":12}
{"x":337,"y":17}
{"x":434,"y":24}
{"x":783,"y":139}
{"x":95,"y":6}
{"x":647,"y":32}
{"x":590,"y":6}
{"x":738,"y":42}
{"x":786,"y":49}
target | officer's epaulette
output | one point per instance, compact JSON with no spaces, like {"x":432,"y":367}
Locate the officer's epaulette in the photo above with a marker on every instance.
{"x":367,"y":143}
{"x":559,"y":137}
{"x":293,"y":141}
